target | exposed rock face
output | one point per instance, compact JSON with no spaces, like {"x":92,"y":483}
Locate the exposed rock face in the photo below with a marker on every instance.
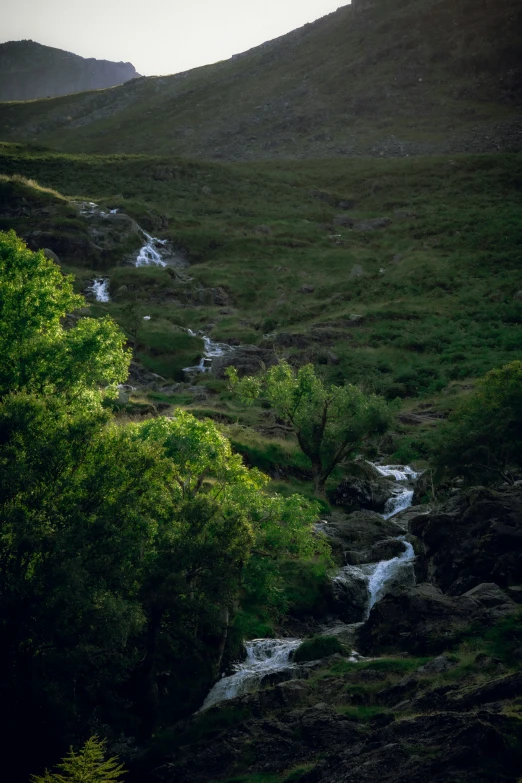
{"x":437,"y":748}
{"x":29,"y":70}
{"x":370,"y":491}
{"x":356,"y":533}
{"x":422,"y":620}
{"x":474,"y":538}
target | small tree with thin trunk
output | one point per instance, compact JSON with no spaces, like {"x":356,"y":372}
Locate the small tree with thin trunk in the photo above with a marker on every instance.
{"x":87,"y":766}
{"x":330,"y":422}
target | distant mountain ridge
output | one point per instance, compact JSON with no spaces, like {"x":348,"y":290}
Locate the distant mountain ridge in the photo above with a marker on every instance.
{"x":30,"y":70}
{"x":384,"y":78}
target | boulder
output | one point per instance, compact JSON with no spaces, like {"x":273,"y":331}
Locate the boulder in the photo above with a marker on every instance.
{"x":350,"y":595}
{"x":307,"y":289}
{"x":51,"y":255}
{"x":422,"y":620}
{"x":358,"y":531}
{"x":356,"y":271}
{"x":475,"y":537}
{"x":356,"y":492}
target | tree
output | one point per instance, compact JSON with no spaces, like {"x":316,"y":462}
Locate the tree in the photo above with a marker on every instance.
{"x":86,"y":766}
{"x":38,"y":353}
{"x":483,"y":436}
{"x":330,"y":422}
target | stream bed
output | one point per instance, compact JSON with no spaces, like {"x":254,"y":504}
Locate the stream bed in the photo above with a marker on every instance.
{"x":265,"y":656}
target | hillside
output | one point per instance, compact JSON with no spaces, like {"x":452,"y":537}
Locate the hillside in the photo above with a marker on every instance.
{"x":382,"y":78}
{"x":29,"y":70}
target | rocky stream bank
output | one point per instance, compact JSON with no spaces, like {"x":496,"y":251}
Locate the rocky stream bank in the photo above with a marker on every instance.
{"x":434,"y":689}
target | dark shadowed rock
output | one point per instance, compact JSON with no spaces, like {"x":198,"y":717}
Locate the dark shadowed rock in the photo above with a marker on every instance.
{"x":475,"y":537}
{"x":355,"y":492}
{"x":422,"y":620}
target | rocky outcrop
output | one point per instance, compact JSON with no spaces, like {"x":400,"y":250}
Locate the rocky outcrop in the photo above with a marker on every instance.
{"x":355,"y":538}
{"x":364,"y":488}
{"x":475,"y":537}
{"x":30,"y":70}
{"x":423,"y":620}
{"x":437,"y":748}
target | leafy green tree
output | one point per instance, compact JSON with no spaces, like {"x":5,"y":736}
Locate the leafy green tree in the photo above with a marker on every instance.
{"x":483,"y":436}
{"x":38,"y":353}
{"x":86,"y":766}
{"x":330,"y":422}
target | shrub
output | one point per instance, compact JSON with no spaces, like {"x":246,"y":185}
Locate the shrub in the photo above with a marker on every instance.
{"x":318,"y":647}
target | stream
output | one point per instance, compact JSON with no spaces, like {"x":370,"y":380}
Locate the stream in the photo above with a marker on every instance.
{"x":265,"y":656}
{"x":153,"y":252}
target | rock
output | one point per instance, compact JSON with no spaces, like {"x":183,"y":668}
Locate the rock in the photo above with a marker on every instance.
{"x":346,"y":204}
{"x":440,"y":748}
{"x":350,"y":596}
{"x":439,"y":664}
{"x":247,"y":359}
{"x":515,"y":593}
{"x":358,"y":531}
{"x":344,"y":220}
{"x":206,"y":190}
{"x":371,"y":224}
{"x":355,"y":492}
{"x":518,"y":296}
{"x":51,"y":255}
{"x":397,"y":257}
{"x":356,"y":271}
{"x":403,"y":214}
{"x":474,"y":537}
{"x":307,"y":289}
{"x":422,"y":620}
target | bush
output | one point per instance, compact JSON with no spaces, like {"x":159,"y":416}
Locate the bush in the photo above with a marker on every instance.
{"x":318,"y":647}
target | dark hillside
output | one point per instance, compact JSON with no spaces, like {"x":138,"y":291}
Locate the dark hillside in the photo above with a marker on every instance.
{"x":383,"y":78}
{"x":29,"y":70}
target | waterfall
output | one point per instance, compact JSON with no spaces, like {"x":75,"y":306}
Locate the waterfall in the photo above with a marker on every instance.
{"x":150,"y":253}
{"x":264,"y":656}
{"x":211,"y":351}
{"x":100,"y":289}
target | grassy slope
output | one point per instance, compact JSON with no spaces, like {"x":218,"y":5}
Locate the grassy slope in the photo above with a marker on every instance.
{"x":444,"y":311}
{"x":360,"y":80}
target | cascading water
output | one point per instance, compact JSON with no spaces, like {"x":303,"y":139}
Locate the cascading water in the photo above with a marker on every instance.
{"x":212,"y":350}
{"x":100,"y":289}
{"x":265,"y":656}
{"x":150,"y":253}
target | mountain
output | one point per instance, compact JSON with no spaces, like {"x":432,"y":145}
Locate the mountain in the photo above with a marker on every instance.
{"x":29,"y":70}
{"x":378,"y":77}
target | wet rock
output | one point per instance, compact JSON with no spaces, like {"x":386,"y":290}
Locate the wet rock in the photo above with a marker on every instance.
{"x":475,"y":537}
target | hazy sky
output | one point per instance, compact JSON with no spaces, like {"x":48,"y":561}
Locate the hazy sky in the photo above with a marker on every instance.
{"x":157,"y":36}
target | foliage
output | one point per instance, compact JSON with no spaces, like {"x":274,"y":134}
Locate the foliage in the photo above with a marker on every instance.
{"x":38,"y":353}
{"x":317,"y":647}
{"x":86,"y":766}
{"x":484,"y":434}
{"x":330,"y":422}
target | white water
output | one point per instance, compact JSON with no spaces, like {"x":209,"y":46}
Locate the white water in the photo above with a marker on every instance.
{"x":211,"y":351}
{"x":100,"y":289}
{"x":150,"y":253}
{"x":402,"y":495}
{"x":265,"y":656}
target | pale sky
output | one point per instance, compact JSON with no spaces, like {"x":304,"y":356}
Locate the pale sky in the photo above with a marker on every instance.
{"x":157,"y":36}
